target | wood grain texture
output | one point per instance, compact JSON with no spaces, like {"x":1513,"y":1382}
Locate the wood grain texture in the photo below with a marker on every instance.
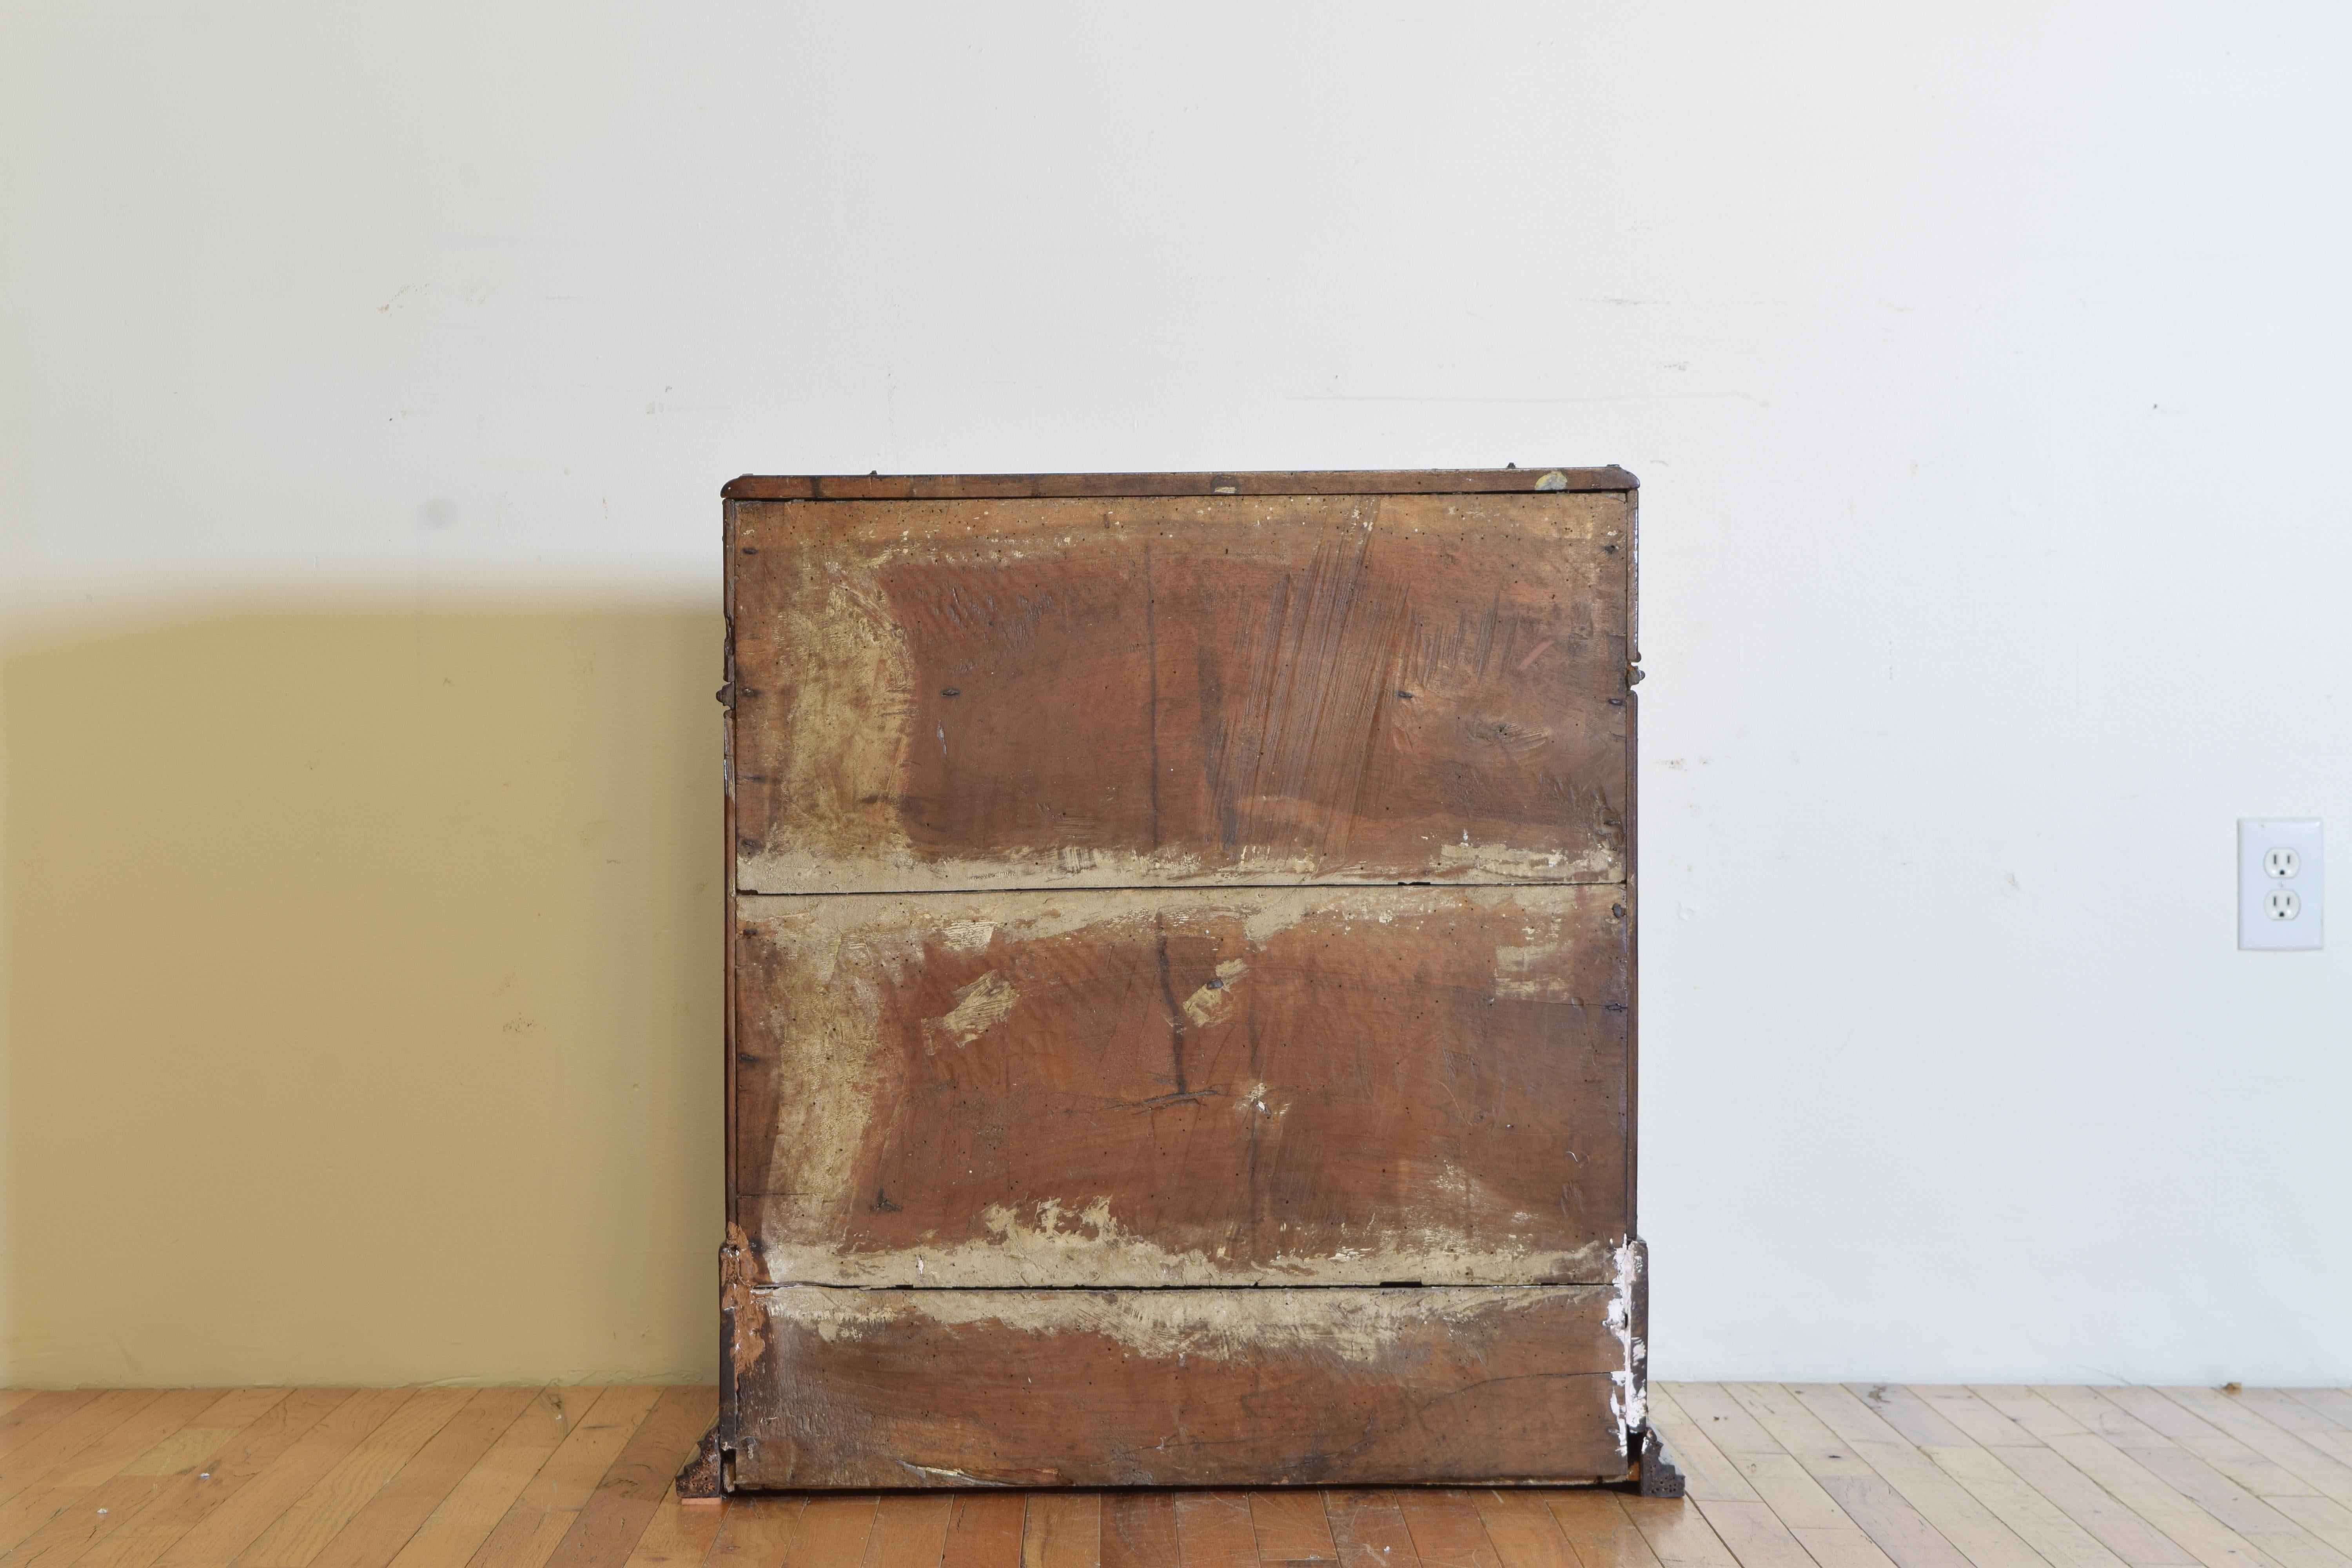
{"x":1446,"y":1529}
{"x":261,"y":1504}
{"x":1291,"y":1527}
{"x":1213,"y":1530}
{"x":685,"y":1535}
{"x":758,"y":1534}
{"x":156,"y":1420}
{"x":389,"y":1520}
{"x":75,"y":1435}
{"x":150,"y":1481}
{"x":1596,"y":1525}
{"x":935,"y":696}
{"x":189,"y":1473}
{"x":544,"y":1511}
{"x":914,"y":1530}
{"x":1059,"y":1530}
{"x":329,"y":1504}
{"x":36,"y":1423}
{"x":1523,"y":1532}
{"x":629,"y":1492}
{"x":465,"y":1518}
{"x":1369,"y":1530}
{"x":188,"y":1499}
{"x":1326,"y":1086}
{"x":1176,"y":1387}
{"x":833,"y":1532}
{"x":985,"y":1531}
{"x":1138,"y":1530}
{"x":1294,"y":482}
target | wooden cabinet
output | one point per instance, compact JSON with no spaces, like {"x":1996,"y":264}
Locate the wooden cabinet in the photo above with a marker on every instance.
{"x":1180,"y":963}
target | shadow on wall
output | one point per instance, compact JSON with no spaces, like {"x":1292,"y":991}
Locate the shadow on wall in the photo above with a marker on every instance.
{"x":363,"y":998}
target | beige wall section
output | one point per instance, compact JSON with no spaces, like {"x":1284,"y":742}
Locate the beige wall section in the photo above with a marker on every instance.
{"x":363,"y":998}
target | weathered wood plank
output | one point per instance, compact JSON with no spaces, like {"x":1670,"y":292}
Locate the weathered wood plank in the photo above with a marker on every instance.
{"x":934,"y":696}
{"x":1310,"y":1086}
{"x":1175,"y":1387}
{"x":1385,"y":482}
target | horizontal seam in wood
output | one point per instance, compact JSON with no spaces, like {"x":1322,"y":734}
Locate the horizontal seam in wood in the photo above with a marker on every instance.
{"x":1211,"y":887}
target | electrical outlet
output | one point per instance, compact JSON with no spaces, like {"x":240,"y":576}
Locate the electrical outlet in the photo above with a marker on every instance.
{"x":2279,"y":890}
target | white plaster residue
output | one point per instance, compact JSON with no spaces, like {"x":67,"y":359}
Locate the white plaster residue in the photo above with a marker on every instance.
{"x":1253,"y":1101}
{"x":980,"y":1006}
{"x":885,"y":864}
{"x":1599,"y":864}
{"x":1353,"y":1325}
{"x":838,"y":965}
{"x":1051,"y":1243}
{"x":1278,"y":915}
{"x":1214,"y":999}
{"x":949,"y":1477}
{"x":1629,"y":1402}
{"x":1535,"y":973}
{"x":968,"y":936}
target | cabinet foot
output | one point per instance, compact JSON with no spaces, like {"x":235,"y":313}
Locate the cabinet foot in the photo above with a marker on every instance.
{"x":1659,"y":1476}
{"x":704,"y":1479}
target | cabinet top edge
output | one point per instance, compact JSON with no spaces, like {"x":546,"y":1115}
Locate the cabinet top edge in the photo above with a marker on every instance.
{"x":983,"y":486}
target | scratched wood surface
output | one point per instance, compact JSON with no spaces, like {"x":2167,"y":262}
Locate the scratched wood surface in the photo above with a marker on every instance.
{"x":1180,"y":881}
{"x":1781,"y":1477}
{"x":1090,"y":1388}
{"x":1333,"y":1086}
{"x":1199,"y":688}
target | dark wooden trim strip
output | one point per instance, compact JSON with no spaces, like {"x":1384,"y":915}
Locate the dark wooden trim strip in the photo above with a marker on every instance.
{"x":982,"y":487}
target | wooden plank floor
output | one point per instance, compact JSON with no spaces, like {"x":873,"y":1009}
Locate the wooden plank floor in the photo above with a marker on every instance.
{"x":1781,"y":1477}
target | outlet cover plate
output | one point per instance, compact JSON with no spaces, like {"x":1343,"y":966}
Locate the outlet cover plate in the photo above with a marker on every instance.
{"x":2258,"y":930}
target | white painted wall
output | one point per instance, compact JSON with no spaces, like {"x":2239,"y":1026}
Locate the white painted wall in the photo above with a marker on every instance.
{"x":1985,"y":366}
